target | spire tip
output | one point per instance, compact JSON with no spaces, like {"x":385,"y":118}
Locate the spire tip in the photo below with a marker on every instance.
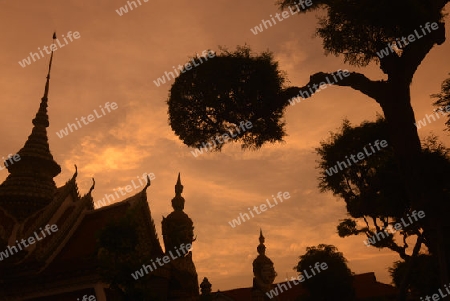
{"x":178,"y":186}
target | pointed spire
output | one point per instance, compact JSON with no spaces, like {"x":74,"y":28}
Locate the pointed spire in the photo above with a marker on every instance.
{"x":261,"y":237}
{"x":30,"y":185}
{"x":261,"y":247}
{"x":178,"y":200}
{"x":47,"y":84}
{"x":41,"y":118}
{"x":37,"y":144}
{"x":178,"y":187}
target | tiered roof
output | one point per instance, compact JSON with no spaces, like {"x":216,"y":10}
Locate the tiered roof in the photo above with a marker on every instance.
{"x":64,"y":263}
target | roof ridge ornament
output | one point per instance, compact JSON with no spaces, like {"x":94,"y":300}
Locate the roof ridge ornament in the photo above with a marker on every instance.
{"x":148,"y":183}
{"x":93,"y":186}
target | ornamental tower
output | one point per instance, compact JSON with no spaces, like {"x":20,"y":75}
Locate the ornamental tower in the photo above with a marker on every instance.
{"x":264,"y":273}
{"x":178,"y":229}
{"x":29,"y":186}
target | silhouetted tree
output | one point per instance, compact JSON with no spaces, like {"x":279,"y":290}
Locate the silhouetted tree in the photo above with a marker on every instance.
{"x":360,"y":31}
{"x":218,"y":95}
{"x":333,"y":283}
{"x":424,"y":279}
{"x":372,"y":188}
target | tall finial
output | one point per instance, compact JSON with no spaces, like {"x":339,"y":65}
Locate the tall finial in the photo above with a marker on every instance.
{"x":261,"y":237}
{"x":47,"y":84}
{"x":261,"y":247}
{"x":178,"y":200}
{"x":178,"y":187}
{"x":41,"y":116}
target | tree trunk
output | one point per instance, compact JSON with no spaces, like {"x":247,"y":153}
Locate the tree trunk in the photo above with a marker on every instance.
{"x":409,"y":267}
{"x":396,"y":105}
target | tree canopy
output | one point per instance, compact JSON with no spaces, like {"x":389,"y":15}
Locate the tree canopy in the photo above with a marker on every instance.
{"x":238,"y":86}
{"x":347,"y":23}
{"x":334,"y":283}
{"x":372,"y":188}
{"x":424,"y":278}
{"x":376,"y":199}
{"x":219,"y":94}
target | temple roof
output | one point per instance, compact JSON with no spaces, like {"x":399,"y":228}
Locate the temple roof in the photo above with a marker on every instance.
{"x":365,"y":285}
{"x":75,"y":257}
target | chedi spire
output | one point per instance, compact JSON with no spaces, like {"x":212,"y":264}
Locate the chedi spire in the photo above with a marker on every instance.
{"x":30,"y":186}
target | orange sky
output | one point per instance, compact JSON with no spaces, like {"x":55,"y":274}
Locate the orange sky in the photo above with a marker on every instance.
{"x":117,"y":58}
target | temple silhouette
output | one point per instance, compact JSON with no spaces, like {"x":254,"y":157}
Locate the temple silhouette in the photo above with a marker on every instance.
{"x":64,"y":265}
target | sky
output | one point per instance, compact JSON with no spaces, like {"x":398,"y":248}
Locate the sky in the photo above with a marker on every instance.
{"x":118,"y":58}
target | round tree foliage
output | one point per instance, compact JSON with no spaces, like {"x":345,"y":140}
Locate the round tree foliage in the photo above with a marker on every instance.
{"x":334,"y":283}
{"x":424,"y":278}
{"x":347,"y":227}
{"x":225,"y":92}
{"x":371,"y":186}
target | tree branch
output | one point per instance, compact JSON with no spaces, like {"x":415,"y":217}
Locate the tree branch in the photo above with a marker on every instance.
{"x":401,"y":251}
{"x":374,"y":219}
{"x":415,"y":52}
{"x":367,"y":223}
{"x":354,"y":80}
